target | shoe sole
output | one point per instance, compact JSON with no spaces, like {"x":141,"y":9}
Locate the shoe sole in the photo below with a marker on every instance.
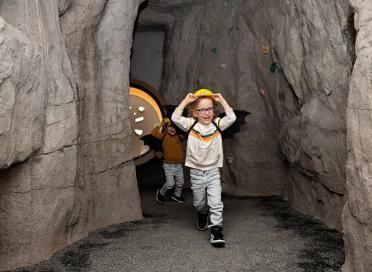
{"x":201,"y":229}
{"x":175,"y":199}
{"x":157,"y":199}
{"x":217,"y":243}
{"x":206,"y":226}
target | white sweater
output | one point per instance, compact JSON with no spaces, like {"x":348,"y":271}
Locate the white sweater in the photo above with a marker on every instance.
{"x":204,"y":145}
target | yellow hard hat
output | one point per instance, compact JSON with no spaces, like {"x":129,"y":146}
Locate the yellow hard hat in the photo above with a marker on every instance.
{"x":203,"y":92}
{"x":166,"y":120}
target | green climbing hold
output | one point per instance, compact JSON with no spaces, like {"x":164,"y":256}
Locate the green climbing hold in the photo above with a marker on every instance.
{"x":273,"y":67}
{"x":214,"y":50}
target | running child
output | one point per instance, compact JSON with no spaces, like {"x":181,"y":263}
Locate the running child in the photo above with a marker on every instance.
{"x":204,"y":156}
{"x":172,"y":161}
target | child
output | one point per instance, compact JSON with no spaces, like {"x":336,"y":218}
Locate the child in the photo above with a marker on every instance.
{"x":204,"y":156}
{"x":172,"y":162}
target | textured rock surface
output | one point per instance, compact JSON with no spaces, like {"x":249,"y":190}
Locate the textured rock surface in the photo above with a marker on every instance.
{"x":297,"y":128}
{"x":357,"y":215}
{"x":64,"y":111}
{"x":100,"y":60}
{"x":317,"y":66}
{"x":64,"y":128}
{"x":21,"y":95}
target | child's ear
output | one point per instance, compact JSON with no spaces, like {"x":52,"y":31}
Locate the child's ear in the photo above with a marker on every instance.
{"x":193,"y":113}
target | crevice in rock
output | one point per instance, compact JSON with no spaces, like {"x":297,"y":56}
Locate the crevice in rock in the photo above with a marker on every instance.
{"x":349,"y":34}
{"x":112,"y":168}
{"x":42,"y":189}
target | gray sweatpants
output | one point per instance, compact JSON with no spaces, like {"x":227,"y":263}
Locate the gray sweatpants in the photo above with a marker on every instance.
{"x":173,"y":177}
{"x":206,"y":188}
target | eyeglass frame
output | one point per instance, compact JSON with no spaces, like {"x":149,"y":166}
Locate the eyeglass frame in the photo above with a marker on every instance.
{"x":205,"y":110}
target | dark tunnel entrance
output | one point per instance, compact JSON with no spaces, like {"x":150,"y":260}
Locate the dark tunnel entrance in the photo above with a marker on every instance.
{"x":146,"y":76}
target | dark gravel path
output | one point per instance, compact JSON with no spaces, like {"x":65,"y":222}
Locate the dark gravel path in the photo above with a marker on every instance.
{"x":262,"y":234}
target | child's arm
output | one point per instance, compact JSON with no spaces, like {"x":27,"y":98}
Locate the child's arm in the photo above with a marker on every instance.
{"x":177,"y":118}
{"x":158,"y":132}
{"x":230,"y":117}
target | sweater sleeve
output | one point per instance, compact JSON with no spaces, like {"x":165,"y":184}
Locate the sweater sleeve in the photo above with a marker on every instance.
{"x":227,"y":120}
{"x":157,"y":132}
{"x":181,"y":121}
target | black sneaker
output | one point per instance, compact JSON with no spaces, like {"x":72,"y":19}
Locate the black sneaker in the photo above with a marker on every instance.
{"x":159,"y":197}
{"x":178,"y":198}
{"x":202,"y":223}
{"x":217,"y":236}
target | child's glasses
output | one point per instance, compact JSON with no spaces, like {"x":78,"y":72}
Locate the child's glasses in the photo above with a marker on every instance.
{"x":205,"y":110}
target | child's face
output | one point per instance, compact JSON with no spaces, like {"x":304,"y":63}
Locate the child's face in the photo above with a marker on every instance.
{"x":204,"y":110}
{"x":171,"y":130}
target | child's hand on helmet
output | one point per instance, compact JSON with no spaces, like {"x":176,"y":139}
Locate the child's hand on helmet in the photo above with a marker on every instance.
{"x":190,"y":97}
{"x":217,"y":97}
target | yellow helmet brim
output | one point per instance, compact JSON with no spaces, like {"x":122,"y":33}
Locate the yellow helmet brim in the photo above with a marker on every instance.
{"x":203,"y":92}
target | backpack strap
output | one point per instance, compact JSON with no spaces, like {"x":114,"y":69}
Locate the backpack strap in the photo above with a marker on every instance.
{"x":213,"y":122}
{"x":192,"y":126}
{"x":217,"y":125}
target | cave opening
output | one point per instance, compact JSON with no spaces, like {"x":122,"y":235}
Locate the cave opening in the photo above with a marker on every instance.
{"x":146,"y":74}
{"x":290,"y":74}
{"x":277,"y":69}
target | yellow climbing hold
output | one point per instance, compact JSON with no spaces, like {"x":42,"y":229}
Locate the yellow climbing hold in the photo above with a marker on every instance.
{"x":265,"y":49}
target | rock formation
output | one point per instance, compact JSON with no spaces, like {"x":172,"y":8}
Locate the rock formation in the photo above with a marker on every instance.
{"x":64,"y":127}
{"x":286,"y":62}
{"x":357,"y":215}
{"x":65,"y":156}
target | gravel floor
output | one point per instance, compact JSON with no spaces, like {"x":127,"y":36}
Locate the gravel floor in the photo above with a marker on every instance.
{"x":262,"y":234}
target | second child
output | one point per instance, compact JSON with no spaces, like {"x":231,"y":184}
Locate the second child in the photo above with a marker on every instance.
{"x":172,"y":161}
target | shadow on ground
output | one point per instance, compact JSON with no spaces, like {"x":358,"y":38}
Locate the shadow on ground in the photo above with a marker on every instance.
{"x":324,"y":248}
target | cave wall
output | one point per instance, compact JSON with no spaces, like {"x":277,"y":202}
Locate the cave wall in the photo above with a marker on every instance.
{"x":294,"y":142}
{"x":65,"y":164}
{"x":316,"y":54}
{"x":146,"y":62}
{"x":357,"y":214}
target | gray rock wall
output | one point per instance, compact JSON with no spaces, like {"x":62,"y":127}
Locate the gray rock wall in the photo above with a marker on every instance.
{"x":99,"y":41}
{"x":312,"y":51}
{"x":293,"y":144}
{"x":22,"y":93}
{"x":65,"y":157}
{"x":357,"y":214}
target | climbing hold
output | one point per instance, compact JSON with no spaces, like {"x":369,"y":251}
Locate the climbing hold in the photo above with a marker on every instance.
{"x":214,"y":50}
{"x":273,"y":67}
{"x":262,"y":91}
{"x":223,"y":65}
{"x":265,"y":50}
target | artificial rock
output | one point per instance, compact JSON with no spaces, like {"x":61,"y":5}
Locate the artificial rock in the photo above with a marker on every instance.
{"x":65,"y":159}
{"x":357,"y":214}
{"x":66,"y":144}
{"x":288,"y":63}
